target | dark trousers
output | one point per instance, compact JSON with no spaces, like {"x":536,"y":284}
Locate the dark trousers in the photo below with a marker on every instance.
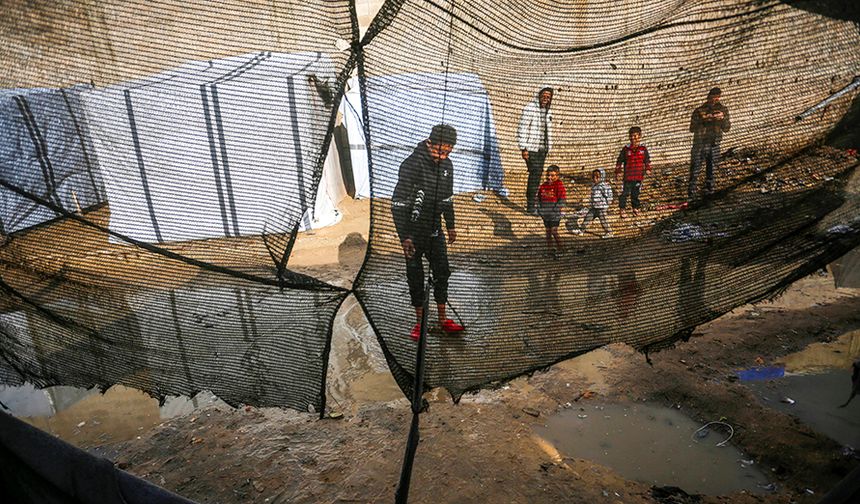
{"x":436,"y":251}
{"x":631,"y":189}
{"x":535,"y":166}
{"x":710,"y":154}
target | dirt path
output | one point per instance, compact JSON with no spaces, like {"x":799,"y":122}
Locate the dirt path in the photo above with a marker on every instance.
{"x":485,"y":449}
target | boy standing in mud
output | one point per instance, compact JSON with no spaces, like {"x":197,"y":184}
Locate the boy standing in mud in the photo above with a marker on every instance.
{"x":423,"y":194}
{"x":636,"y":162}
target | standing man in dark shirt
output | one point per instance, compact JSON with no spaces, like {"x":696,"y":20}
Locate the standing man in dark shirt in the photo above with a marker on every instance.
{"x":423,"y":194}
{"x":534,"y":136}
{"x":707,"y":125}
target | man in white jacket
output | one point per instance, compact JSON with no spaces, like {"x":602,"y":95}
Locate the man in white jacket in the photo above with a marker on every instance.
{"x":534,"y":136}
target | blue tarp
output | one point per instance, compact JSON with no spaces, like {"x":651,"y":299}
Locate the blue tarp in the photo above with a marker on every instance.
{"x":761,"y":373}
{"x":403,"y":108}
{"x":45,"y":149}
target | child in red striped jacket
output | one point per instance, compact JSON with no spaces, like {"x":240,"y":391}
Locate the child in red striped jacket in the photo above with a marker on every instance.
{"x":551,"y":198}
{"x":636,"y":161}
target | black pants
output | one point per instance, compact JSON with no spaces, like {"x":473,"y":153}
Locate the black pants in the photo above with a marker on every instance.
{"x":535,"y":166}
{"x":631,"y":189}
{"x":436,"y":251}
{"x":710,"y":154}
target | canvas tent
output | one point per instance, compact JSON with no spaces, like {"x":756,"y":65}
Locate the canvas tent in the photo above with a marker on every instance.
{"x":403,"y":108}
{"x":45,"y":149}
{"x":178,"y":160}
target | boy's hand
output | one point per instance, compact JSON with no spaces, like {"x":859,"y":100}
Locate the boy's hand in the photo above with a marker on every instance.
{"x":452,"y":236}
{"x":408,"y":248}
{"x":525,"y":154}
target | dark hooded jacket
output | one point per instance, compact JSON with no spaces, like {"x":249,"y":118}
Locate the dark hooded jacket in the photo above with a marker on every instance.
{"x":422,"y":179}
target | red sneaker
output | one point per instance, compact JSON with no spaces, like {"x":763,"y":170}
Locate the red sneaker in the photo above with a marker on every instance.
{"x":416,"y":332}
{"x":449,"y":326}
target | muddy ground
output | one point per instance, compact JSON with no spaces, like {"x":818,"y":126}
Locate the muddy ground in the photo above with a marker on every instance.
{"x":484,"y":449}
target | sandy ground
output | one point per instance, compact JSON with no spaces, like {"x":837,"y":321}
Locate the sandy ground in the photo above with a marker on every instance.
{"x":484,"y":449}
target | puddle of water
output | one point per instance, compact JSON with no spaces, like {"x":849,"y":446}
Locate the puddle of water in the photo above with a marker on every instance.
{"x":817,"y":382}
{"x":654,"y":445}
{"x":87,"y":418}
{"x":819,"y":357}
{"x":358,"y":372}
{"x":592,"y":366}
{"x":817,"y":398}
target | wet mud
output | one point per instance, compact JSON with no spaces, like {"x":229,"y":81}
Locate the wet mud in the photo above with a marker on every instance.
{"x":489,"y":446}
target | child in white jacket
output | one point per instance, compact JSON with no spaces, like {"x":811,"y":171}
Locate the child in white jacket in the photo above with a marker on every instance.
{"x":601,"y":197}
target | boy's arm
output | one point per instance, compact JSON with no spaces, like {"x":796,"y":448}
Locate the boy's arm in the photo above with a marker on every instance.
{"x":647,"y":160}
{"x":695,"y":121}
{"x":725,"y":124}
{"x":622,"y":159}
{"x":561,"y":197}
{"x":402,"y":199}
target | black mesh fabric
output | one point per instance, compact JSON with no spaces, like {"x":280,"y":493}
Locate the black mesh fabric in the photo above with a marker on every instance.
{"x":781,"y":208}
{"x":171,"y":286}
{"x":88,"y":300}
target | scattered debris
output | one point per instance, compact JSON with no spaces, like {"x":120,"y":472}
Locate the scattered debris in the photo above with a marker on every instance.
{"x":531,"y":411}
{"x":787,"y":400}
{"x":761,"y":373}
{"x":673,"y":495}
{"x":672,"y":206}
{"x":703,"y":431}
{"x":685,"y":232}
{"x":770,"y":487}
{"x":587,"y":394}
{"x":840,"y":229}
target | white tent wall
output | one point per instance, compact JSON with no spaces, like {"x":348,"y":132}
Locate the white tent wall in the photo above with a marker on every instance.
{"x":350,"y":108}
{"x":213,"y":149}
{"x":45,"y":149}
{"x":330,"y":192}
{"x":403,"y":109}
